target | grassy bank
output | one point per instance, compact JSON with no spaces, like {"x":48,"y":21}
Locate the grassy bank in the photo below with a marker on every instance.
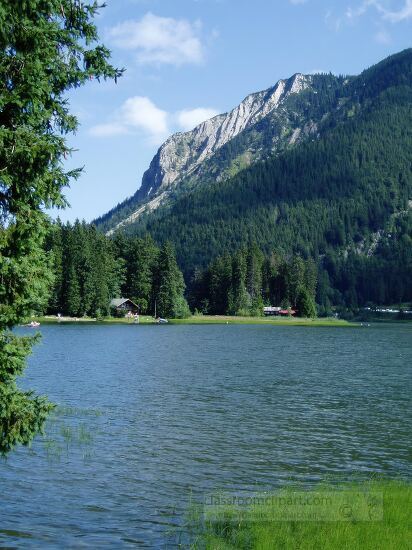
{"x":284,"y":321}
{"x":370,"y":516}
{"x":53,"y":320}
{"x":206,"y":320}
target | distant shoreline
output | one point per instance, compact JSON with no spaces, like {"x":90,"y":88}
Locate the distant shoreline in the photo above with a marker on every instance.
{"x":202,"y":320}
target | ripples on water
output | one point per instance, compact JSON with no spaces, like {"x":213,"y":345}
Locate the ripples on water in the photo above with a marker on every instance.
{"x":151,"y":417}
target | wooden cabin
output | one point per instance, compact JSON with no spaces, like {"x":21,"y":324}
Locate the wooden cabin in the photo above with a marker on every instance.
{"x":122,"y":306}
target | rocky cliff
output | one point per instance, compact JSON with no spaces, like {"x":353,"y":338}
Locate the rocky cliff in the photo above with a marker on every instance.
{"x":262,"y":124}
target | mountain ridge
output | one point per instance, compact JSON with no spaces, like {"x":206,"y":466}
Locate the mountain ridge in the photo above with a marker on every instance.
{"x":183,"y":154}
{"x":342,"y":195}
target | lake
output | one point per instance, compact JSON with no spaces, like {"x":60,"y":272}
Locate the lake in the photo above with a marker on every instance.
{"x":151,"y":417}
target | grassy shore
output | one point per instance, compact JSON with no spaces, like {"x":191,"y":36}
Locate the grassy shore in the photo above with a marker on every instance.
{"x":53,"y":320}
{"x":205,"y":320}
{"x":368,"y":516}
{"x":283,"y":321}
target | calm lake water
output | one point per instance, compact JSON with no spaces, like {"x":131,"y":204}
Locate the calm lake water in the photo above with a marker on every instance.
{"x":151,"y":416}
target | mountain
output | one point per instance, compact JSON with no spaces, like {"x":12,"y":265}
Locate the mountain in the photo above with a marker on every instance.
{"x":264,"y":123}
{"x":317,"y":165}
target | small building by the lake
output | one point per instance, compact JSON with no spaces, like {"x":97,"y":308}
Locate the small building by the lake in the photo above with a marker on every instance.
{"x":271,"y":310}
{"x":274,"y":310}
{"x":287,"y":312}
{"x":122,"y":306}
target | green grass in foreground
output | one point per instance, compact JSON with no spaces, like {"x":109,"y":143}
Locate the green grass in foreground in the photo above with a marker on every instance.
{"x":369,"y":516}
{"x":208,"y":320}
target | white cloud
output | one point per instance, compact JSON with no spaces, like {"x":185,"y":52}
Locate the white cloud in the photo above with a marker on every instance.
{"x":140,"y":114}
{"x":352,"y":13}
{"x":400,"y":15}
{"x":190,"y":118}
{"x":137,"y":113}
{"x":387,"y":13}
{"x":160,"y":40}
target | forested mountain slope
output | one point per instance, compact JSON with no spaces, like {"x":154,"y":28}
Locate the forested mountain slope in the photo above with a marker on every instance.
{"x":264,"y":123}
{"x":340,"y":192}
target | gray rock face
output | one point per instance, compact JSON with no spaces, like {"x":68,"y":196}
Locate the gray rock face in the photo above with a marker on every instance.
{"x":182,"y":153}
{"x":266,"y":121}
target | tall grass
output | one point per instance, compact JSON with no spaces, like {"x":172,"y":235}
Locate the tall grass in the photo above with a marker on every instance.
{"x":259,"y":526}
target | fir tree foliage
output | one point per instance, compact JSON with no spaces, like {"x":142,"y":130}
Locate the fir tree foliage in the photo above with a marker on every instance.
{"x":140,"y":256}
{"x":91,"y":269}
{"x":87,"y":271}
{"x":169,"y":285}
{"x":242,"y":284}
{"x":47,"y":47}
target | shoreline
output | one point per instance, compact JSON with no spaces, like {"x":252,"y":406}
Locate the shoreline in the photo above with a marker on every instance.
{"x":202,"y":320}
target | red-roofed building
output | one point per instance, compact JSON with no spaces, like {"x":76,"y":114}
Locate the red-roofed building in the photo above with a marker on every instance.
{"x":287,"y":312}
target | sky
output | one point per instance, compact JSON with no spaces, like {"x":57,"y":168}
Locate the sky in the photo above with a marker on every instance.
{"x":187,"y":60}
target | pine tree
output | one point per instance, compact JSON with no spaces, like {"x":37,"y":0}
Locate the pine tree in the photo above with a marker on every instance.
{"x":140,"y":257}
{"x":295,"y":279}
{"x":54,"y":249}
{"x":311,"y":276}
{"x":219,"y":285}
{"x":238,"y":301}
{"x":88,"y":271}
{"x":46,"y":49}
{"x":169,"y":285}
{"x":273,"y":280}
{"x":72,"y":299}
{"x":306,"y":304}
{"x":254,"y":268}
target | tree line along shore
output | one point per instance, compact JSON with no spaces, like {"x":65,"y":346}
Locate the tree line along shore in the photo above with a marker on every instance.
{"x":89,"y":269}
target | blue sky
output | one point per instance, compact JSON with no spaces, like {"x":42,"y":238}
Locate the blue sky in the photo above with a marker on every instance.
{"x":187,"y":60}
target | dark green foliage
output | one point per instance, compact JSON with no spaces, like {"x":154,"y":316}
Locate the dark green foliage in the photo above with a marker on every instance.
{"x":238,"y":299}
{"x":54,"y":246}
{"x":320,"y":196}
{"x":140,"y":257}
{"x":88,"y":274}
{"x":218,"y":282}
{"x":381,"y":277}
{"x":46,"y":48}
{"x":295,"y":280}
{"x":91,"y":269}
{"x":305,"y":303}
{"x":254,"y":268}
{"x":243,"y":283}
{"x":169,"y":285}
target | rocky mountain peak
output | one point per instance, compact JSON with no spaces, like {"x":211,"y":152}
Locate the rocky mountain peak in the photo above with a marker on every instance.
{"x":185,"y":151}
{"x":182,"y":154}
